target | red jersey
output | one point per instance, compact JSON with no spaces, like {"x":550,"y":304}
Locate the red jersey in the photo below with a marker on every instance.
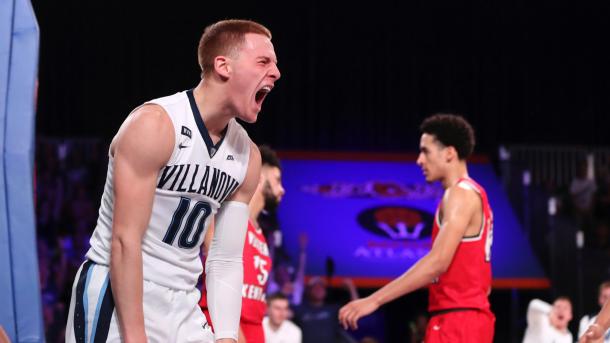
{"x":467,"y":281}
{"x":257,"y":266}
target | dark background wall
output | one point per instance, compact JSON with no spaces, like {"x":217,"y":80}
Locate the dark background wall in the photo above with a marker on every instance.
{"x":355,"y":77}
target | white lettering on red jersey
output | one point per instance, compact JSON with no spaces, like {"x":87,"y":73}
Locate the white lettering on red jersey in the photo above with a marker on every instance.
{"x":257,"y":268}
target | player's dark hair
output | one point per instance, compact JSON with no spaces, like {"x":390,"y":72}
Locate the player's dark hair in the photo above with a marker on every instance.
{"x":269,"y":157}
{"x":451,"y":130}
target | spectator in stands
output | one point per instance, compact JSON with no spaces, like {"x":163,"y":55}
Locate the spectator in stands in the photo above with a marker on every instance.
{"x":588,"y":320}
{"x":417,"y":328}
{"x":600,"y":238}
{"x":278,"y":328}
{"x":319,"y":320}
{"x":285,"y":280}
{"x":602,"y":198}
{"x":548,"y":323}
{"x":595,"y":332}
{"x":582,"y":192}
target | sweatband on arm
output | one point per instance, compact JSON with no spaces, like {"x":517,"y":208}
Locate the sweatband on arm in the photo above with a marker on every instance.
{"x":224,"y":269}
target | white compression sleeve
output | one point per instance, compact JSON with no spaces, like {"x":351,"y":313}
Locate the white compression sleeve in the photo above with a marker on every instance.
{"x":224,"y":269}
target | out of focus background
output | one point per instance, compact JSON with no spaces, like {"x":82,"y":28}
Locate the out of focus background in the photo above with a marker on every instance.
{"x":532,"y":77}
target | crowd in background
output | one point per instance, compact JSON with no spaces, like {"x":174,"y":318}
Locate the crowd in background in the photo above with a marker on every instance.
{"x":70,"y":175}
{"x":69,"y":181}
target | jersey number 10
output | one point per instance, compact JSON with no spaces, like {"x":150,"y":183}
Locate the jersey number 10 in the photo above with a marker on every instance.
{"x":188,"y":239}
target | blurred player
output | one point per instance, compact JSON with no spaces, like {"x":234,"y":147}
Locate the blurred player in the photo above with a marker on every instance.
{"x":457,"y":269}
{"x":257,"y":262}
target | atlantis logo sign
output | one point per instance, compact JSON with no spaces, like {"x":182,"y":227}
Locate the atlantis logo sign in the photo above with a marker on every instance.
{"x":397,"y":222}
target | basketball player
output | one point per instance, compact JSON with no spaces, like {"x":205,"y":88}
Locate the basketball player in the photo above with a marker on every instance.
{"x":595,"y":332}
{"x":257,"y":262}
{"x":457,"y":268}
{"x":174,"y":163}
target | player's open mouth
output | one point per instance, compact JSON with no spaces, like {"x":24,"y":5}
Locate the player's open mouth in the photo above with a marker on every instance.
{"x":262,"y":93}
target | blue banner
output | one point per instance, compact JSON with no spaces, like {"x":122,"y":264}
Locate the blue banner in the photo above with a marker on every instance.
{"x":374,"y":219}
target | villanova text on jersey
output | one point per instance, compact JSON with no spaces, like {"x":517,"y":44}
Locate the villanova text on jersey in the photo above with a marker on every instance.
{"x":192,"y":178}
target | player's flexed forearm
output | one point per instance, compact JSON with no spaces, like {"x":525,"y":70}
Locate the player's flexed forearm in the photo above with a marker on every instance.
{"x":137,"y":162}
{"x":126,"y":276}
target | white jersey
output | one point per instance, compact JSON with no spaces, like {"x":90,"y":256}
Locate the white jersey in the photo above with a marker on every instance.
{"x":198,"y":177}
{"x":288,"y":332}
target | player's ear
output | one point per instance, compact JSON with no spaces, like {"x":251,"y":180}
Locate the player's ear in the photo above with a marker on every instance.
{"x":451,"y":153}
{"x":222,"y":66}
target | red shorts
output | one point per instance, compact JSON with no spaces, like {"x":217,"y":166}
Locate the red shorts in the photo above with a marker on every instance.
{"x":253,"y":332}
{"x":464,"y":326}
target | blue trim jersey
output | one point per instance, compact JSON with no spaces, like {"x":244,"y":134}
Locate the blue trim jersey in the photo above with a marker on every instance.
{"x":198,"y":177}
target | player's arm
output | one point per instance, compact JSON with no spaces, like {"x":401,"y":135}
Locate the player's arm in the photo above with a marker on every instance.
{"x":224,"y":264}
{"x":595,"y":332}
{"x":141,"y":148}
{"x":459,"y":206}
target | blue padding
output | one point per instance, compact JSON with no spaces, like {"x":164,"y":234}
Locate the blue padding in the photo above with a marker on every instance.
{"x":19,"y":69}
{"x":7,"y":305}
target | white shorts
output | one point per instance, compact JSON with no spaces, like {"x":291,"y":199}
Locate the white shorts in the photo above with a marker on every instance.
{"x":169,"y":315}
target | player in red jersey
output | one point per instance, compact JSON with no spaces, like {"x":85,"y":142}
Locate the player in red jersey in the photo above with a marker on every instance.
{"x":257,"y":261}
{"x":457,"y":269}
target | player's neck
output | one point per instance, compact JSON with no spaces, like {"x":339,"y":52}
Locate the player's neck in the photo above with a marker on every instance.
{"x":454,"y":174}
{"x":213,"y":107}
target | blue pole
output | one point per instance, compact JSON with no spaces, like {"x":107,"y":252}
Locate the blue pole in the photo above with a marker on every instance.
{"x":21,"y":312}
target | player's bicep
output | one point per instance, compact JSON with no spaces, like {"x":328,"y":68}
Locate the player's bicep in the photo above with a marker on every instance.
{"x":140,"y":150}
{"x":458,"y":208}
{"x":248,"y":187}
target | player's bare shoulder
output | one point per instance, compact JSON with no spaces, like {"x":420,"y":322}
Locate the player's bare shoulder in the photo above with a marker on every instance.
{"x":463,"y":202}
{"x":461,"y":197}
{"x":147,"y":130}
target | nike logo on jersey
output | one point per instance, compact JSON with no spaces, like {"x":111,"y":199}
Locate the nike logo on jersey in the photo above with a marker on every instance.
{"x":436,"y":328}
{"x":182,"y":146}
{"x":230,"y":158}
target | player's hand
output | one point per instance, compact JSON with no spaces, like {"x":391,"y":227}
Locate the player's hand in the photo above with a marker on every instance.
{"x":594,"y":334}
{"x":354,"y":310}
